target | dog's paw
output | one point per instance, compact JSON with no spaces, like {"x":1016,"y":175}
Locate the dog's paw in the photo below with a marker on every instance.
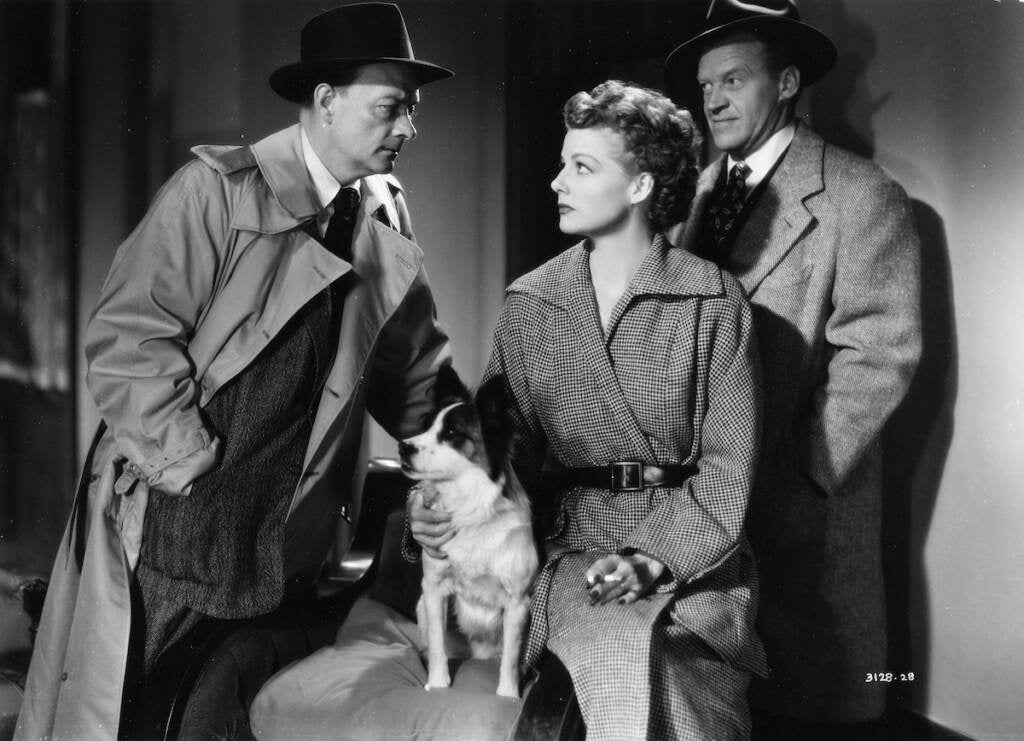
{"x":439,"y":682}
{"x":506,"y":689}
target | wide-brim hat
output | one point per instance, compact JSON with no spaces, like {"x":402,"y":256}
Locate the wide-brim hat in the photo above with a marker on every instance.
{"x":348,"y":36}
{"x":812,"y":51}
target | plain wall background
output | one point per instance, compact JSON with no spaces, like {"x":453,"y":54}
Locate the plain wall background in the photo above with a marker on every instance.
{"x":933,"y":89}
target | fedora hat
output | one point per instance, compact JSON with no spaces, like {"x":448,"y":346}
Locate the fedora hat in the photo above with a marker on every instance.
{"x":813,"y":52}
{"x":346,"y":37}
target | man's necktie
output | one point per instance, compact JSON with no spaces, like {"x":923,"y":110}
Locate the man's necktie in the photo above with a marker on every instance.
{"x":728,"y":204}
{"x":338,"y":238}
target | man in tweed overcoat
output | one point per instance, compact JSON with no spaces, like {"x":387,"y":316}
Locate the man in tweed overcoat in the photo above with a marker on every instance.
{"x":824,"y":244}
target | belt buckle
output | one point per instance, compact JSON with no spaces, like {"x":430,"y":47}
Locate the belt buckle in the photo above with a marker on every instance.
{"x":627,"y":476}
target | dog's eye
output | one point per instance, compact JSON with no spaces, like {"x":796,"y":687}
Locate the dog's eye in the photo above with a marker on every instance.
{"x":450,"y":433}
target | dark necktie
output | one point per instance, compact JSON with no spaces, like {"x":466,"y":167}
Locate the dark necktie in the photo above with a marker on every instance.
{"x":728,"y":205}
{"x":338,"y":237}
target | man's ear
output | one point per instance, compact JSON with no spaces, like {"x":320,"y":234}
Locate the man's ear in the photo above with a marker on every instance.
{"x":643,"y":185}
{"x":323,"y":96}
{"x":789,"y":82}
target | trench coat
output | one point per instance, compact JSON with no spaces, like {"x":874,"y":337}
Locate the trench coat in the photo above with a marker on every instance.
{"x":217,"y":267}
{"x":830,"y":259}
{"x":673,"y":381}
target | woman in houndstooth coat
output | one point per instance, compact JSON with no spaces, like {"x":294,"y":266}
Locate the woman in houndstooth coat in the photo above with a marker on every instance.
{"x":625,"y":349}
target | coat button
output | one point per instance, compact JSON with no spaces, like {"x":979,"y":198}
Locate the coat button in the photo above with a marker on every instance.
{"x":64,"y":677}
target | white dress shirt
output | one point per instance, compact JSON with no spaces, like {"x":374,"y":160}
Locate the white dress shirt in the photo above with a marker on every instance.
{"x":763,"y":160}
{"x":326,"y":185}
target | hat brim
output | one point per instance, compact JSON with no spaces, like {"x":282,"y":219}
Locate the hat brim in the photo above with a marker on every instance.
{"x":813,"y":52}
{"x":295,"y":81}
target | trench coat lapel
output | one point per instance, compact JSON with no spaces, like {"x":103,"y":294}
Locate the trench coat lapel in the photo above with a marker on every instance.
{"x":386,"y":264}
{"x":780,"y":216}
{"x":577,"y":298}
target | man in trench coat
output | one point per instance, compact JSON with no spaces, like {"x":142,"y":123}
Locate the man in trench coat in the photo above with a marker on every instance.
{"x":244,"y":328}
{"x":824,"y":244}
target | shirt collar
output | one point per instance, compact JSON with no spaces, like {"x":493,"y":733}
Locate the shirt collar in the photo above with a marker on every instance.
{"x":327,"y":186}
{"x":763,"y":160}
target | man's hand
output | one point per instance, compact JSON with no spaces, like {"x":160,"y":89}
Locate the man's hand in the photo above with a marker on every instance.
{"x":624,"y":579}
{"x":430,"y":528}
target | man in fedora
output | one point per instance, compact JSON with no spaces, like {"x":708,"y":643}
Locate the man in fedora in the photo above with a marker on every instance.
{"x":272,"y":295}
{"x":824,"y":244}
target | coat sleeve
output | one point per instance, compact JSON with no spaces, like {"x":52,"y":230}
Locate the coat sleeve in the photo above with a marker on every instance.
{"x":139,"y":370}
{"x":700,"y":525}
{"x":873,"y":333}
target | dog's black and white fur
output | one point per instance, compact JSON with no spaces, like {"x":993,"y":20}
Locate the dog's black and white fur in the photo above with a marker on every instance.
{"x":462,"y":464}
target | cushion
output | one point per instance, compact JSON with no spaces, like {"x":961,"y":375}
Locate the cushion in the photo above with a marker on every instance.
{"x":370,"y":685}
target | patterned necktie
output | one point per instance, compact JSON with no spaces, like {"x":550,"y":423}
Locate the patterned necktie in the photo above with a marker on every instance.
{"x":728,"y":204}
{"x":338,"y":237}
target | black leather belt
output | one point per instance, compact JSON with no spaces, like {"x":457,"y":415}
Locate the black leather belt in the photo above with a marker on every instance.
{"x":620,"y":476}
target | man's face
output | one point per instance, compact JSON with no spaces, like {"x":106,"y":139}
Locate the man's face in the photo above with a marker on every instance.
{"x":369,"y":121}
{"x":744,"y":101}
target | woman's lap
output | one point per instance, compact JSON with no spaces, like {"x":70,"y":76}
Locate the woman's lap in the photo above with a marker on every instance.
{"x":369,"y":684}
{"x":637,"y":674}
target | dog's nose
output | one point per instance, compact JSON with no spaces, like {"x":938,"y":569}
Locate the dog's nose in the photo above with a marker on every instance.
{"x":405,"y":449}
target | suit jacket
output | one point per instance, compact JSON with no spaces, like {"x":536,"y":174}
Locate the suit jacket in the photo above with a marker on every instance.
{"x":214,"y":271}
{"x":829,"y":258}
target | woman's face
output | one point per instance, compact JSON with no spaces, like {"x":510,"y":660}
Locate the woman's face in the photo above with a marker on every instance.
{"x":594,"y":183}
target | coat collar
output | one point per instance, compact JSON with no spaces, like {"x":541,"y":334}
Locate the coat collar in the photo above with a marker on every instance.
{"x":664,"y":271}
{"x":285,"y":196}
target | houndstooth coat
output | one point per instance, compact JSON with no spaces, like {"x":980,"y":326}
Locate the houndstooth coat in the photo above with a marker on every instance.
{"x":674,"y":381}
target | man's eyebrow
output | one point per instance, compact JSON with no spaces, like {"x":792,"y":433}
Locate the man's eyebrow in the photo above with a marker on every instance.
{"x":732,"y":71}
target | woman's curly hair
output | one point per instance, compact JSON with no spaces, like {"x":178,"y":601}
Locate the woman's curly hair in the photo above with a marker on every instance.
{"x":660,"y":137}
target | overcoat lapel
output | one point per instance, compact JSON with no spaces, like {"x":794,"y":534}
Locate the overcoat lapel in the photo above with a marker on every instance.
{"x":580,"y":303}
{"x":780,"y":216}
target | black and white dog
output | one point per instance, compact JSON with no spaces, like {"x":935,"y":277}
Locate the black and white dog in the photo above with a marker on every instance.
{"x":462,"y":462}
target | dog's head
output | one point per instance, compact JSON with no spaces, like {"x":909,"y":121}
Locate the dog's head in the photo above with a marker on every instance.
{"x":466,"y":431}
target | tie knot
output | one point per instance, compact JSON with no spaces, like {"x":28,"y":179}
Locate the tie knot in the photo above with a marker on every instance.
{"x":739,"y":171}
{"x":345,"y":203}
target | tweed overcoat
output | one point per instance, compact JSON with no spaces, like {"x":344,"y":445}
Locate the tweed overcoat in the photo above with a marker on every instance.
{"x":674,"y":380}
{"x":830,"y":260}
{"x":217,"y":267}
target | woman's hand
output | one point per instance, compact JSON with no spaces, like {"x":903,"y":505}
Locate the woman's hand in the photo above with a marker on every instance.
{"x":430,"y":528}
{"x":623,"y":579}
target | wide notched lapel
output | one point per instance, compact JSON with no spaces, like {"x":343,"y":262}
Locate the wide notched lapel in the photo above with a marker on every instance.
{"x":779,"y":217}
{"x":578,"y":300}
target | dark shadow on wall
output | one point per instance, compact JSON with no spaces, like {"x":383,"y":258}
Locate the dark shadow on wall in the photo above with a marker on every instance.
{"x":841,"y":107}
{"x":916,"y":444}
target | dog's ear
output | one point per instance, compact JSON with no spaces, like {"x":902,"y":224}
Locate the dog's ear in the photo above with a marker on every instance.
{"x":492,"y":404}
{"x":448,"y":388}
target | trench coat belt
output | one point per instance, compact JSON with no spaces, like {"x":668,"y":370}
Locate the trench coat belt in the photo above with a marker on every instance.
{"x":620,"y":475}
